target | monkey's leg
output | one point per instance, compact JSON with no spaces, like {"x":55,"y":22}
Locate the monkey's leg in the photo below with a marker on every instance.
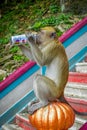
{"x":45,"y":90}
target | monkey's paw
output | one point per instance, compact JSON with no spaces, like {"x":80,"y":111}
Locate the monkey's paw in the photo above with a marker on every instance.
{"x":31,"y":110}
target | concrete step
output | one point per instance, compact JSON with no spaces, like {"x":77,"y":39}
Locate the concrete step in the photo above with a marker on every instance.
{"x":79,"y":122}
{"x":78,"y":104}
{"x":81,"y":67}
{"x":76,"y":90}
{"x":11,"y":127}
{"x":23,"y":121}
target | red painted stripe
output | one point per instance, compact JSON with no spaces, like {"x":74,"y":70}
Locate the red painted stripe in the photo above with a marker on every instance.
{"x":77,"y":77}
{"x":24,"y":123}
{"x":78,"y":104}
{"x":19,"y":117}
{"x":16,"y":75}
{"x":73,"y":29}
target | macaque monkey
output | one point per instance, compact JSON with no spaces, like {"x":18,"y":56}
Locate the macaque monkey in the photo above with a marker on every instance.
{"x":47,"y":51}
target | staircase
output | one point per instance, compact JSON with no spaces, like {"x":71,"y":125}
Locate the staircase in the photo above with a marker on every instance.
{"x":76,"y":90}
{"x":76,"y":95}
{"x":22,"y":123}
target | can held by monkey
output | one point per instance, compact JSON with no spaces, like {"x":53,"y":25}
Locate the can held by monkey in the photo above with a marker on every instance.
{"x":19,"y":39}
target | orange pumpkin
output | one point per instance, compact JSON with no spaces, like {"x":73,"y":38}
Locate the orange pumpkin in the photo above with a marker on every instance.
{"x":55,"y":116}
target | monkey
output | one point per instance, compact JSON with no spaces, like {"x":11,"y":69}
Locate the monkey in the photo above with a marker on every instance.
{"x":46,"y":50}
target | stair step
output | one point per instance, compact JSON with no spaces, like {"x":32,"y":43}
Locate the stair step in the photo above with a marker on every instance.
{"x":11,"y":127}
{"x":23,"y":121}
{"x":81,"y":67}
{"x":78,"y":104}
{"x":76,"y":90}
{"x":79,"y":122}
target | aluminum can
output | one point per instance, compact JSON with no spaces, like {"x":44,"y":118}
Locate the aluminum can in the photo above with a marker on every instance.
{"x":19,"y":39}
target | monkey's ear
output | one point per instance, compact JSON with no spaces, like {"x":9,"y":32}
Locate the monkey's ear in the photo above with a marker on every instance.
{"x":53,"y":35}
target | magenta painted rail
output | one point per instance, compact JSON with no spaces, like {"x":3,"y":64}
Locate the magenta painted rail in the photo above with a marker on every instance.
{"x":84,"y":127}
{"x":73,"y":29}
{"x":11,"y":78}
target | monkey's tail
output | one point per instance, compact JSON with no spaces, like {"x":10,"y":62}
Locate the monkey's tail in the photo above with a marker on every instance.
{"x":62,"y":99}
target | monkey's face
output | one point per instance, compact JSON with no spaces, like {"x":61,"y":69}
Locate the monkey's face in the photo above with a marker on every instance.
{"x":46,"y":34}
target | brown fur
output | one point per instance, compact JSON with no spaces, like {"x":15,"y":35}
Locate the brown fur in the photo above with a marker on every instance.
{"x":46,"y":50}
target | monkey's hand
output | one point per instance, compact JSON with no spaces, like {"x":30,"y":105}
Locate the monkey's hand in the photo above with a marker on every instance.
{"x":31,"y":38}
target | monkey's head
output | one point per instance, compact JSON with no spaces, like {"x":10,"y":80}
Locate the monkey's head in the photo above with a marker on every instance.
{"x":46,"y":34}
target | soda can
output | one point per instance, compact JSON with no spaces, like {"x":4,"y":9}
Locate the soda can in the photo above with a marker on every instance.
{"x":19,"y":39}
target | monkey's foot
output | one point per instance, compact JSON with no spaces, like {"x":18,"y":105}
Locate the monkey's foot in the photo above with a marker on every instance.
{"x":31,"y":110}
{"x":36,"y":106}
{"x":33,"y":102}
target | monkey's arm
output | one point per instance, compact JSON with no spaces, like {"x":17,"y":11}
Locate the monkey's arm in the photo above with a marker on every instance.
{"x":45,"y":55}
{"x":26,"y":51}
{"x":37,"y":54}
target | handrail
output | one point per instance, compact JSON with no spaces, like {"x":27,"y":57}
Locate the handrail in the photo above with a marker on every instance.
{"x":16,"y":74}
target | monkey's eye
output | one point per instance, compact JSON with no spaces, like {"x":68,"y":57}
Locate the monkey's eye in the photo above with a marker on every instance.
{"x":53,"y":35}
